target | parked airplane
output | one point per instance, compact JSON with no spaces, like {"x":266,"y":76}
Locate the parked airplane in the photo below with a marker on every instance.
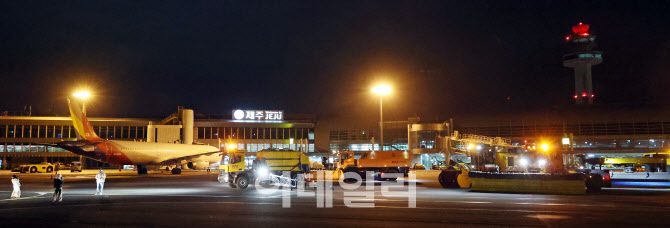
{"x":141,"y":154}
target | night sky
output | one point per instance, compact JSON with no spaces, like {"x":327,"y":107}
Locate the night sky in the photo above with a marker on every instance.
{"x":443,"y":58}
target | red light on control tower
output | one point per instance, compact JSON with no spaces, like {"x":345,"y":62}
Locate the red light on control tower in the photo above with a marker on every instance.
{"x":581,"y":29}
{"x":580,"y":54}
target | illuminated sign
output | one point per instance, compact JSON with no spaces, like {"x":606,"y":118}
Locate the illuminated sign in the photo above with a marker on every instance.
{"x":258,"y":115}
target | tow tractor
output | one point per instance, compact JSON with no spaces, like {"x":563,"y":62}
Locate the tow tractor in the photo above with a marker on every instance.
{"x":267,"y":168}
{"x":43,"y":167}
{"x":455,"y":176}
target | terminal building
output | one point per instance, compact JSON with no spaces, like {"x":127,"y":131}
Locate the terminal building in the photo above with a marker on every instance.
{"x":576,"y":133}
{"x":583,"y":134}
{"x":23,"y":138}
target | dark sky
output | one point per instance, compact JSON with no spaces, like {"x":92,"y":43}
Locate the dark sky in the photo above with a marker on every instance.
{"x":443,"y":58}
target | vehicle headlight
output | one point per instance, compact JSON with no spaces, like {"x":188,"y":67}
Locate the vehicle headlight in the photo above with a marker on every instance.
{"x":263,"y":171}
{"x":542,"y":162}
{"x":523,"y":162}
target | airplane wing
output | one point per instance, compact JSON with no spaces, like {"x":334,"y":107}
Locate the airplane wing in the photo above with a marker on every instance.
{"x":189,"y":157}
{"x":63,"y":144}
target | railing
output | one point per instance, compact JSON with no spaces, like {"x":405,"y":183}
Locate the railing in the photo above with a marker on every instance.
{"x":531,"y":129}
{"x":485,"y":139}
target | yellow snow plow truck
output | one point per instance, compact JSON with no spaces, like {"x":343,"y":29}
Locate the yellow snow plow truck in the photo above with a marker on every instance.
{"x":268,"y":168}
{"x":379,"y":162}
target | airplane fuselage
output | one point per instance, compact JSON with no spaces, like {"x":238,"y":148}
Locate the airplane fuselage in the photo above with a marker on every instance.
{"x":137,"y":153}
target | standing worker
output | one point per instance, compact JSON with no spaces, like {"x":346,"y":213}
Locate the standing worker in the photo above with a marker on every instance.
{"x":100,"y":182}
{"x":16,"y":194}
{"x":58,"y":185}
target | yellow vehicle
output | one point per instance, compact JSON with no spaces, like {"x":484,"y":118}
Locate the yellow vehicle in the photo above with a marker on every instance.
{"x":43,"y":167}
{"x":665,"y":155}
{"x":236,"y":173}
{"x":630,"y":165}
{"x":456,"y":176}
{"x":380,"y":162}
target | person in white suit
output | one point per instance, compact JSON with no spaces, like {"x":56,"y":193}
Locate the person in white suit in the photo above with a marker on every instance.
{"x":16,"y":185}
{"x":100,"y":182}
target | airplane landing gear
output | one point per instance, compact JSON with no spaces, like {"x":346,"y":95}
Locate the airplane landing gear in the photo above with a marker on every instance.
{"x":176,"y":171}
{"x":141,"y":169}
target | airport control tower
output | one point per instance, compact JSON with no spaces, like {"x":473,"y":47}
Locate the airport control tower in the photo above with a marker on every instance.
{"x":580,"y":55}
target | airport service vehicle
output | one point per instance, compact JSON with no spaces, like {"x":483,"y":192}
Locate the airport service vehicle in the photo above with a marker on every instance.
{"x":18,"y":168}
{"x":456,"y":176}
{"x":141,"y":154}
{"x":60,"y":166}
{"x":43,"y":167}
{"x":268,"y":167}
{"x":504,"y":159}
{"x":604,"y":174}
{"x":75,"y":166}
{"x":380,"y":162}
{"x":651,"y":168}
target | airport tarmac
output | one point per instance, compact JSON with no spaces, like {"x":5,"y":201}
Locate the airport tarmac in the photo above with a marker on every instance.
{"x":195,"y":198}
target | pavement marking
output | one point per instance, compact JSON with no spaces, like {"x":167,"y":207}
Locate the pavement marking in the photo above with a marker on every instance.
{"x":453,"y":201}
{"x":567,"y":204}
{"x":293,"y":195}
{"x":39,"y":194}
{"x":642,"y":189}
{"x":106,"y":194}
{"x":292,"y":204}
{"x":533,"y":199}
{"x":539,"y":216}
{"x":307,"y":204}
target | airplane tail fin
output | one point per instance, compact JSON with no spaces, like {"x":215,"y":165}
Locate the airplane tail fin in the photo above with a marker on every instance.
{"x":82,"y":127}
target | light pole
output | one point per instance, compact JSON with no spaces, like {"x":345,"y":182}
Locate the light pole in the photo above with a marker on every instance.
{"x":83,"y":96}
{"x":381,"y":90}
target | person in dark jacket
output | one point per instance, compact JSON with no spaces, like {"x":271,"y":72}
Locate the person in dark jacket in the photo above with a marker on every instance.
{"x":58,"y":185}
